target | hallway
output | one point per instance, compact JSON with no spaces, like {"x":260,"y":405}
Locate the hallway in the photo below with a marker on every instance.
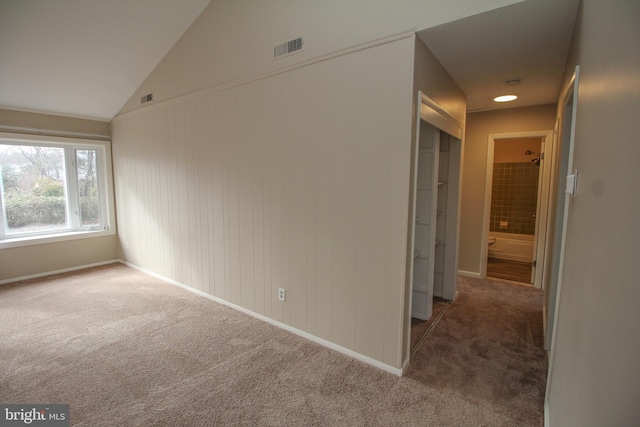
{"x":488,"y":347}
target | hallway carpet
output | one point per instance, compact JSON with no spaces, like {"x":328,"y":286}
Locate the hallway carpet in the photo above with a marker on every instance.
{"x":123,"y":348}
{"x":489,"y":347}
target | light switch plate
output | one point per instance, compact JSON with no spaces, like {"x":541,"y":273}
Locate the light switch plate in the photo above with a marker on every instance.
{"x":572,"y":182}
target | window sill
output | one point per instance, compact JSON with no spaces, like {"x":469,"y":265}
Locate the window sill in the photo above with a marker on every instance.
{"x":53,"y":238}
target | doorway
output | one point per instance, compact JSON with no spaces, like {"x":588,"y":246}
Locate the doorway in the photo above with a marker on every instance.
{"x":514,"y":198}
{"x":516,"y":205}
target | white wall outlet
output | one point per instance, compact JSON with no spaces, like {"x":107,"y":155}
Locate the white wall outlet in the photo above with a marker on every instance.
{"x":282,"y":294}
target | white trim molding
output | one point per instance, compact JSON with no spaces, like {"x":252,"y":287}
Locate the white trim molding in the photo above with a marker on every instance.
{"x":470,"y":274}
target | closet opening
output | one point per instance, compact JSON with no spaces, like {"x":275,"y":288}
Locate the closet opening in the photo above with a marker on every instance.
{"x":435,"y":223}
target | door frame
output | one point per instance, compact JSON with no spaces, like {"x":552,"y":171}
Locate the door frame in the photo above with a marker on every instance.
{"x":568,"y":110}
{"x":542,"y":208}
{"x":428,"y":110}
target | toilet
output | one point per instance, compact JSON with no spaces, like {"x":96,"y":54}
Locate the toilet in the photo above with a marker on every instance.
{"x":492,"y":240}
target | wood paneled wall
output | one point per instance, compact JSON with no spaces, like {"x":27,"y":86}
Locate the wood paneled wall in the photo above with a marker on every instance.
{"x":298,"y":180}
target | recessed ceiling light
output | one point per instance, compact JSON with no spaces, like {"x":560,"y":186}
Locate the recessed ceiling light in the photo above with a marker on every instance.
{"x":505,"y":98}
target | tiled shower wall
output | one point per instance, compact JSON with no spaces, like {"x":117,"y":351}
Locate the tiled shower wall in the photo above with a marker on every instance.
{"x":514,"y":197}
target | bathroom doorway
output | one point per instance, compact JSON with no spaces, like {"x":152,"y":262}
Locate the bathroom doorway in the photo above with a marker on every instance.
{"x":516,"y":207}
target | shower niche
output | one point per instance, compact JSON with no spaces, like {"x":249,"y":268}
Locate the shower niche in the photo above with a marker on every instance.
{"x":436,"y":185}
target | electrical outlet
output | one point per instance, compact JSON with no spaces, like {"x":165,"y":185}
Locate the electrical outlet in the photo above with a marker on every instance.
{"x":282,"y":294}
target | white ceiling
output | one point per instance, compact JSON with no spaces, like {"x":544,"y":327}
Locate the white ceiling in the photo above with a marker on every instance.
{"x":84,"y":58}
{"x":527,"y":41}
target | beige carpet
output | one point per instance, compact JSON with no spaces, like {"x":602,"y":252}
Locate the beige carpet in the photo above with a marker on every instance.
{"x":421,"y":328}
{"x":126,"y":349}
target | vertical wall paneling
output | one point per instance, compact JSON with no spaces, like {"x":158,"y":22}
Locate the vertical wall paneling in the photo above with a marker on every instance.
{"x":286,"y":128}
{"x":299,"y":180}
{"x":181,"y":195}
{"x":300,"y":168}
{"x":344,"y":192}
{"x":368,"y":107}
{"x":228,"y":179}
{"x":324,"y":166}
{"x":193,"y":196}
{"x":258,"y":194}
{"x":310,"y":146}
{"x":173,"y":226}
{"x":216,"y":160}
{"x":276,"y":201}
{"x":380,"y":210}
{"x":203,"y":180}
{"x":244,"y":125}
{"x":400,"y":162}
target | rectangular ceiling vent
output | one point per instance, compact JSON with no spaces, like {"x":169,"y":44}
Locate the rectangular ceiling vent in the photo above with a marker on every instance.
{"x":146,"y":98}
{"x":288,"y":47}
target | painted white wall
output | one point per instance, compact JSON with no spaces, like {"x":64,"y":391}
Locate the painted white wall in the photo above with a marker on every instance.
{"x":297,"y":180}
{"x":234,"y":39}
{"x":19,"y":121}
{"x":595,"y":374}
{"x":34,"y":260}
{"x":478,"y":128}
{"x":37,"y":259}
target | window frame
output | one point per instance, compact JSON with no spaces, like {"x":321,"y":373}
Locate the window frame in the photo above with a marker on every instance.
{"x":105,"y":190}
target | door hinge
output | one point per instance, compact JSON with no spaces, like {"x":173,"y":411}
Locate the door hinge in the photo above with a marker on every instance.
{"x":533,"y":263}
{"x":542,"y":156}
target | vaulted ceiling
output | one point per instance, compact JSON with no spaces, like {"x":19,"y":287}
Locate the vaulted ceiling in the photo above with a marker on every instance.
{"x":86,"y":58}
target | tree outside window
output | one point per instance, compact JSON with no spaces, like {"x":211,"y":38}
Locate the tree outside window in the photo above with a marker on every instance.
{"x":51,"y":188}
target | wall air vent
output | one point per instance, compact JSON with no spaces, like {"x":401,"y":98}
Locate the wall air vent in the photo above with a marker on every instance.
{"x":288,"y":47}
{"x":146,"y":98}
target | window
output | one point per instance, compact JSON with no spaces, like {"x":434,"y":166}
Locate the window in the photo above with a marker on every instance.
{"x":53,"y":187}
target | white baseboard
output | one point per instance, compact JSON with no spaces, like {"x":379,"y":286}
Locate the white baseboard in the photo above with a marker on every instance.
{"x":64,"y":270}
{"x":469,"y":274}
{"x":405,"y":364}
{"x":280,"y":325}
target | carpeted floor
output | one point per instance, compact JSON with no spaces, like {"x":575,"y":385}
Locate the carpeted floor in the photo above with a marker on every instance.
{"x":126,"y":349}
{"x":420,"y":328}
{"x":489,"y":347}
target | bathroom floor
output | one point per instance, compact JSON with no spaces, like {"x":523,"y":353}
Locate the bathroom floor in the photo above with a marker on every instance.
{"x":509,"y":270}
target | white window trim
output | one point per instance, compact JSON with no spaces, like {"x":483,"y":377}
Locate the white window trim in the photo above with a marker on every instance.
{"x":107,"y":182}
